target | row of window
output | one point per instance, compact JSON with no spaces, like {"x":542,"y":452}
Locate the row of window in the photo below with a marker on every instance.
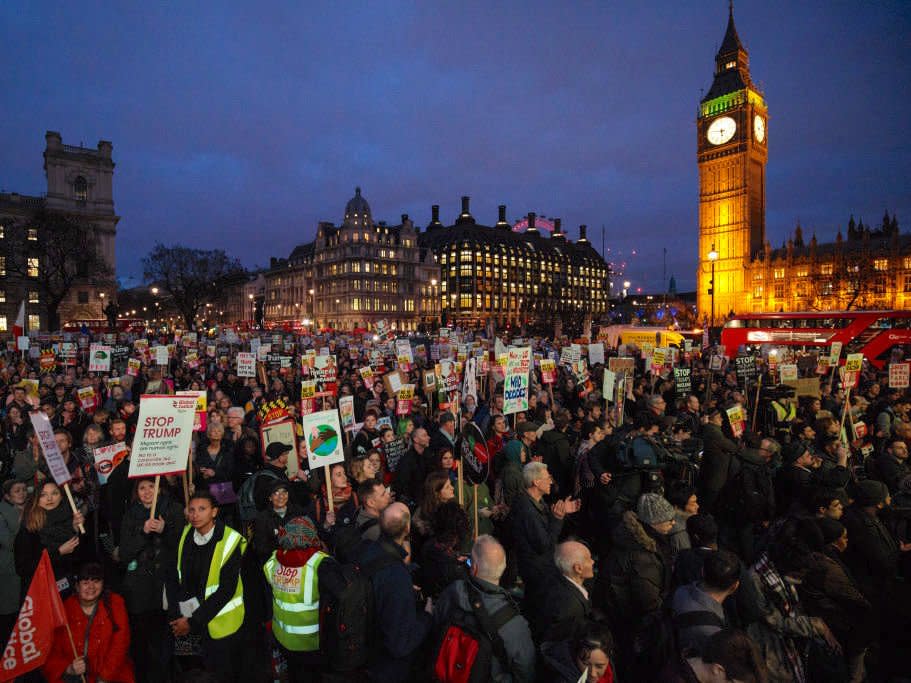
{"x":33,"y":266}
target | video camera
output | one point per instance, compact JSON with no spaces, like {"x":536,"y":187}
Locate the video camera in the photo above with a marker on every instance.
{"x":776,"y":392}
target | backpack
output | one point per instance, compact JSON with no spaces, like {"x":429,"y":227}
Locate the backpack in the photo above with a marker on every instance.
{"x":349,"y":637}
{"x":348,"y":539}
{"x":656,"y":643}
{"x":246,"y":501}
{"x":471,"y":641}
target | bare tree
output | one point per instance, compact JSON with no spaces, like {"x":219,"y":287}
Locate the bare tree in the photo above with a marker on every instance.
{"x":193,"y":277}
{"x":50,"y":252}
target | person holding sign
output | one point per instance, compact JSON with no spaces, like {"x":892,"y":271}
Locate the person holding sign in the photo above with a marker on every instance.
{"x":48,"y":523}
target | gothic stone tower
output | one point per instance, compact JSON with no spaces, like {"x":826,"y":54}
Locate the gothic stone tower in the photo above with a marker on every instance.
{"x":732,"y":139}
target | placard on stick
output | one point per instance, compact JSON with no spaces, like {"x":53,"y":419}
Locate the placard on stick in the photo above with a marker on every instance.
{"x":163,"y":435}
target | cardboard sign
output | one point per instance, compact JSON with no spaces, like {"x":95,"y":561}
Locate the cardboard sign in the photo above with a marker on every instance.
{"x":44,"y":431}
{"x":515,"y":388}
{"x":737,"y":420}
{"x":346,"y":412}
{"x":404,"y":399}
{"x":899,"y":375}
{"x":683,"y":381}
{"x":860,"y":430}
{"x":68,"y":353}
{"x":164,"y":433}
{"x":715,"y":363}
{"x":367,"y":376}
{"x":161,"y":355}
{"x":393,"y":382}
{"x":659,"y":355}
{"x":608,"y":384}
{"x":308,"y":397}
{"x":788,"y":372}
{"x":548,"y":371}
{"x":403,"y":354}
{"x":595,"y":353}
{"x":806,"y":386}
{"x":625,"y":366}
{"x":283,"y":432}
{"x":133,"y":366}
{"x":107,"y":458}
{"x":246,"y":364}
{"x":835,"y":353}
{"x":394,"y":451}
{"x":854,"y":362}
{"x":323,"y":438}
{"x":325,"y":371}
{"x":99,"y":358}
{"x":86,"y":398}
{"x":22,"y":343}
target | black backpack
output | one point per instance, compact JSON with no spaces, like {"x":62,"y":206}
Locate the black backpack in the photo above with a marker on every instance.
{"x":349,"y":637}
{"x":656,"y":642}
{"x":470,"y":641}
{"x":246,"y":499}
{"x":347,"y":540}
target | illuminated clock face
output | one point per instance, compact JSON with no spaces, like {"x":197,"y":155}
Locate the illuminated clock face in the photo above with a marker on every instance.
{"x":721,"y":130}
{"x":759,"y":128}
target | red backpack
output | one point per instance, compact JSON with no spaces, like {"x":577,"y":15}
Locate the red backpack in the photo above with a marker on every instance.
{"x":471,"y":641}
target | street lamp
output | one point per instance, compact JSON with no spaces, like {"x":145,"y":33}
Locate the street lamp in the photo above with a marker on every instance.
{"x":713,"y":256}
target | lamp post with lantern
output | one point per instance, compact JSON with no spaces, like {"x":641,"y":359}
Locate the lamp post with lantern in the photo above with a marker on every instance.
{"x":712,"y":256}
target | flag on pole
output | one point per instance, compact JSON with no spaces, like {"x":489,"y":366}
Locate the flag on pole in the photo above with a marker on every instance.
{"x":33,"y":636}
{"x":19,"y":327}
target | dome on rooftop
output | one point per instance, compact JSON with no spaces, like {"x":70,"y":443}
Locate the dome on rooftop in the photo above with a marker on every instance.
{"x":357,"y":210}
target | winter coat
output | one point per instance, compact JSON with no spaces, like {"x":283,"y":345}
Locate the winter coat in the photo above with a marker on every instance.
{"x":535,"y":531}
{"x":679,"y":539}
{"x":889,"y":470}
{"x":638,"y":570}
{"x":146,"y":556}
{"x":768,"y":626}
{"x":565,"y":611}
{"x":9,"y":579}
{"x":693,"y":598}
{"x":717,"y":453}
{"x":872,"y":554}
{"x":440,"y":566}
{"x":828,"y":591}
{"x":511,"y":483}
{"x":517,"y":642}
{"x":749,"y":495}
{"x":402,"y":624}
{"x":792,"y":484}
{"x":57,"y":530}
{"x":108,"y":656}
{"x":266,"y":528}
{"x":556,"y":450}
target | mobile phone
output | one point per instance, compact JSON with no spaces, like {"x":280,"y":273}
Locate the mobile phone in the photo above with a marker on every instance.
{"x":467,"y":561}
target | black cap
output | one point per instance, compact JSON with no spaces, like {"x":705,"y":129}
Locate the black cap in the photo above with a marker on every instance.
{"x":90,"y":570}
{"x":276,"y":450}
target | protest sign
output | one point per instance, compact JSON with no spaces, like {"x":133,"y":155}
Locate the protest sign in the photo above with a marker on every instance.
{"x":322,"y":437}
{"x":474,"y":456}
{"x":404,"y":399}
{"x":745,"y":366}
{"x":853,"y":364}
{"x":899,"y":375}
{"x":44,"y":432}
{"x":715,"y":363}
{"x":68,"y":353}
{"x":246,"y":364}
{"x":625,"y":366}
{"x":23,"y":343}
{"x":161,"y":355}
{"x":788,"y":372}
{"x":403,"y":355}
{"x":133,"y":365}
{"x":683,"y":381}
{"x":805,"y":386}
{"x":835,"y":353}
{"x":308,"y":396}
{"x":548,"y":371}
{"x":48,"y":362}
{"x":737,"y":420}
{"x":515,"y":390}
{"x":86,"y":398}
{"x":595,"y":353}
{"x":164,"y":433}
{"x":367,"y":376}
{"x":99,"y":358}
{"x":394,"y":451}
{"x":107,"y":458}
{"x":346,"y":412}
{"x":659,"y":356}
{"x":281,"y":431}
{"x":199,"y":422}
{"x":325,"y":371}
{"x":607,"y":385}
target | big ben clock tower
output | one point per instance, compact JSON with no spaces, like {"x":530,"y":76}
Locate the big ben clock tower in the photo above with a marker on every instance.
{"x":732,"y":147}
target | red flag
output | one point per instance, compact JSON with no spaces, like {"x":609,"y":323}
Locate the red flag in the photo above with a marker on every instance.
{"x":19,"y":326}
{"x":41,"y":614}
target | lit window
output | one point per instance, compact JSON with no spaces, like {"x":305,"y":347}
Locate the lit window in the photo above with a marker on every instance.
{"x":33,"y":297}
{"x":80,"y":189}
{"x":2,"y":266}
{"x":802,"y":271}
{"x":906,"y":262}
{"x":757,"y":292}
{"x":3,"y":323}
{"x":779,"y":291}
{"x":3,"y":234}
{"x":779,"y":273}
{"x":33,"y":266}
{"x":825,"y":269}
{"x":881,"y":264}
{"x":2,"y":296}
{"x":907,"y":287}
{"x":34,"y":322}
{"x":730,"y":65}
{"x":33,"y":234}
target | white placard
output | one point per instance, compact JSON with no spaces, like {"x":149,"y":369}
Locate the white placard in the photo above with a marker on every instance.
{"x":246,"y":364}
{"x":45,"y":433}
{"x":99,"y":358}
{"x":164,"y":433}
{"x":323,"y":438}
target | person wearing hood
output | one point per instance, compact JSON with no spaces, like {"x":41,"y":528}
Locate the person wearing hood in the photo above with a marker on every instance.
{"x":747,"y":504}
{"x":683,"y":497}
{"x":516,"y":453}
{"x":293,"y":574}
{"x":794,"y":481}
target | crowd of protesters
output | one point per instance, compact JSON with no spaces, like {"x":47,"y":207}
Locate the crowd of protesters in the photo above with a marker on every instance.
{"x":636,"y":537}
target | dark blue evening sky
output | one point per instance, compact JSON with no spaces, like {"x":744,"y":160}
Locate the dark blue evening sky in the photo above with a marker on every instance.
{"x":240,"y":125}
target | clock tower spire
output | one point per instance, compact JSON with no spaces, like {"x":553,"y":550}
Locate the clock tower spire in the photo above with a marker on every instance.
{"x":731,"y":155}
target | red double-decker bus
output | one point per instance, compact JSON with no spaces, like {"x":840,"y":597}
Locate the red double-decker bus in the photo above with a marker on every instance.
{"x":872,"y":333}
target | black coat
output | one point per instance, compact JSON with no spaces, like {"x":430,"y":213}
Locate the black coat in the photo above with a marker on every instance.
{"x":718,"y":451}
{"x":872,"y":553}
{"x":792,"y":485}
{"x":535,"y":532}
{"x":749,"y":495}
{"x":564,"y":612}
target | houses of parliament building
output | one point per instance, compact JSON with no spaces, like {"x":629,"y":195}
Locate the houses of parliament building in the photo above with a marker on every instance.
{"x":866,"y":267}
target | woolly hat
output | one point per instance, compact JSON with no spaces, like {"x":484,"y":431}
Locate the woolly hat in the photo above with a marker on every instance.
{"x":654,"y":509}
{"x":871,"y":492}
{"x":298,"y":533}
{"x":831,"y":529}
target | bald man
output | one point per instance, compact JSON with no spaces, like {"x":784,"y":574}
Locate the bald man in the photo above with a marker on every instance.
{"x":488,"y":562}
{"x":401,"y":625}
{"x":567,"y":606}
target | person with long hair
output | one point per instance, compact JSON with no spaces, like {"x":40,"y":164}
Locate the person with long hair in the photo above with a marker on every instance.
{"x":48,"y":523}
{"x":438,"y":489}
{"x":146,"y":546}
{"x":14,"y":495}
{"x":100,"y":630}
{"x":344,"y":500}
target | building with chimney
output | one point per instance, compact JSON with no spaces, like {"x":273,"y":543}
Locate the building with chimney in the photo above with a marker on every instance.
{"x":79,"y":187}
{"x":515,"y":278}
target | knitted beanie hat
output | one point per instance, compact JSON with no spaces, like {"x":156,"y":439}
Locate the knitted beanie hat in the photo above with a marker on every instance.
{"x":654,"y":509}
{"x":298,"y":533}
